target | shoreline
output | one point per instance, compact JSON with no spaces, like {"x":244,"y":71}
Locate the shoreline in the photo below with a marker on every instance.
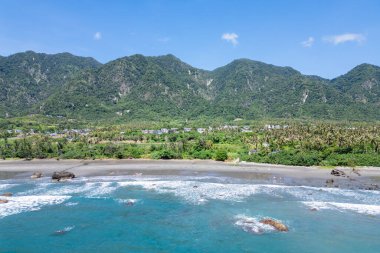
{"x":266,"y":173}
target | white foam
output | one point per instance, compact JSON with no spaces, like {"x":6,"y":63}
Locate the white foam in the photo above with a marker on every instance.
{"x":359,"y":208}
{"x":71,"y":203}
{"x":252,"y":225}
{"x":64,"y":230}
{"x":28,"y":203}
{"x":127,"y":201}
{"x":197,"y":192}
{"x":6,"y":186}
{"x":89,"y":189}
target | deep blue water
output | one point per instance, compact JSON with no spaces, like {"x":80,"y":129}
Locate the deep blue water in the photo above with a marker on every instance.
{"x":184,"y":214}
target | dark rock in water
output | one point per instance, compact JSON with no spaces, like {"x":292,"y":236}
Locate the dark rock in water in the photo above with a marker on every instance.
{"x":63,"y":231}
{"x":3,"y":201}
{"x":338,"y":173}
{"x":195,"y":186}
{"x":62,"y":175}
{"x":372,"y":187}
{"x":36,"y":175}
{"x":313,"y":209}
{"x":276,"y":224}
{"x":7,"y":194}
{"x":60,"y":232}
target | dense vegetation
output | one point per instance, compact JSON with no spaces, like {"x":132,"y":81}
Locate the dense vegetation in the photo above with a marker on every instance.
{"x":292,"y":143}
{"x":64,"y":106}
{"x":153,"y":88}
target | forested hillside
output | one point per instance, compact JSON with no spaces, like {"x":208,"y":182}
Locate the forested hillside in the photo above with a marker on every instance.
{"x":140,"y":87}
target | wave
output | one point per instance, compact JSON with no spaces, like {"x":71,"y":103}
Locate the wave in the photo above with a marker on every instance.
{"x":22,"y":204}
{"x":199,"y":192}
{"x":6,"y":186}
{"x":71,"y":203}
{"x":358,"y":208}
{"x":130,"y":202}
{"x":90,"y":189}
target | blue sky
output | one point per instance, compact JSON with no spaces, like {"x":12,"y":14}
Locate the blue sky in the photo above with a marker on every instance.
{"x":321,"y":37}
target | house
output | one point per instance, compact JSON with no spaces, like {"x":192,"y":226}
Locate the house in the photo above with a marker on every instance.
{"x":201,"y":130}
{"x":164,"y":130}
{"x":246,"y":129}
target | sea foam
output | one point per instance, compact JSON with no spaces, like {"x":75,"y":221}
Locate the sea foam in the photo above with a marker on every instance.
{"x":358,"y":208}
{"x":252,"y":224}
{"x":21,"y":204}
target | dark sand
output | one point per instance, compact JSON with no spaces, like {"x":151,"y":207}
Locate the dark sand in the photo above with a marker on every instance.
{"x":267,"y":173}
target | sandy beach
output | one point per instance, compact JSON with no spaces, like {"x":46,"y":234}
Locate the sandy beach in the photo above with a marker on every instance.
{"x":281,"y":174}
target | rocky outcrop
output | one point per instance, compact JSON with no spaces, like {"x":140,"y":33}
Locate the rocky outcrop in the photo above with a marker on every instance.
{"x":36,"y":175}
{"x":7,"y":194}
{"x":276,"y":224}
{"x":62,"y":175}
{"x":338,"y":173}
{"x":3,"y":201}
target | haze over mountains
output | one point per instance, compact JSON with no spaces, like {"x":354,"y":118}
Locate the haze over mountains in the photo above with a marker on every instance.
{"x":140,"y":87}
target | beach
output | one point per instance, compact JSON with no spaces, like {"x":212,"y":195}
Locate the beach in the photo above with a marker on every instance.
{"x":271,"y":173}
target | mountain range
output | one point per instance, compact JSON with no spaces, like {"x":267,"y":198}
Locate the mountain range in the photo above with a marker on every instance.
{"x":152,"y":88}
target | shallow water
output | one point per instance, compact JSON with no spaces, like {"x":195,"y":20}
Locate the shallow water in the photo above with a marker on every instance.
{"x":184,"y":214}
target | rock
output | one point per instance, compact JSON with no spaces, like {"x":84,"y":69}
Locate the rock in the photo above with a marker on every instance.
{"x":62,"y":175}
{"x":3,"y":201}
{"x":36,"y":175}
{"x":276,"y":224}
{"x":373,"y":187}
{"x":338,"y":173}
{"x":313,"y":209}
{"x":7,"y":194}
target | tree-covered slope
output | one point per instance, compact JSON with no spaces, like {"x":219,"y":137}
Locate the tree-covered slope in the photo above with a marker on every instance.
{"x":362,"y":84}
{"x":28,"y":78}
{"x":135,"y":86}
{"x":154,"y":87}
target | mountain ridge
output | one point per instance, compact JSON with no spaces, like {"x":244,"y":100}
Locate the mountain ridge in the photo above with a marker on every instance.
{"x":153,"y":87}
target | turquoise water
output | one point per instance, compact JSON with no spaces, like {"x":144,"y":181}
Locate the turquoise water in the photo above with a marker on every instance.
{"x":184,"y":214}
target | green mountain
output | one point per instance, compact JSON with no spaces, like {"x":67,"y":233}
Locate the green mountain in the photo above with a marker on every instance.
{"x":140,"y":87}
{"x":28,"y":78}
{"x":362,"y":84}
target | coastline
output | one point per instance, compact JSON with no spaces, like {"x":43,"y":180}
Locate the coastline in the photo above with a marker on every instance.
{"x":267,"y":173}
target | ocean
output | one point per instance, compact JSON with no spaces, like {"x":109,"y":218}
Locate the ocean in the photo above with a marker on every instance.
{"x":166,"y":213}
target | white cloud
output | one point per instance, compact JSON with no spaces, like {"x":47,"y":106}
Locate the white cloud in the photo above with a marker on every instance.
{"x":308,"y":43}
{"x":231,"y":37}
{"x":346,"y":37}
{"x":97,"y":36}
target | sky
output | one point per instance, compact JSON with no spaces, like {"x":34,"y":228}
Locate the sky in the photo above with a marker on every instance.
{"x":316,"y":37}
